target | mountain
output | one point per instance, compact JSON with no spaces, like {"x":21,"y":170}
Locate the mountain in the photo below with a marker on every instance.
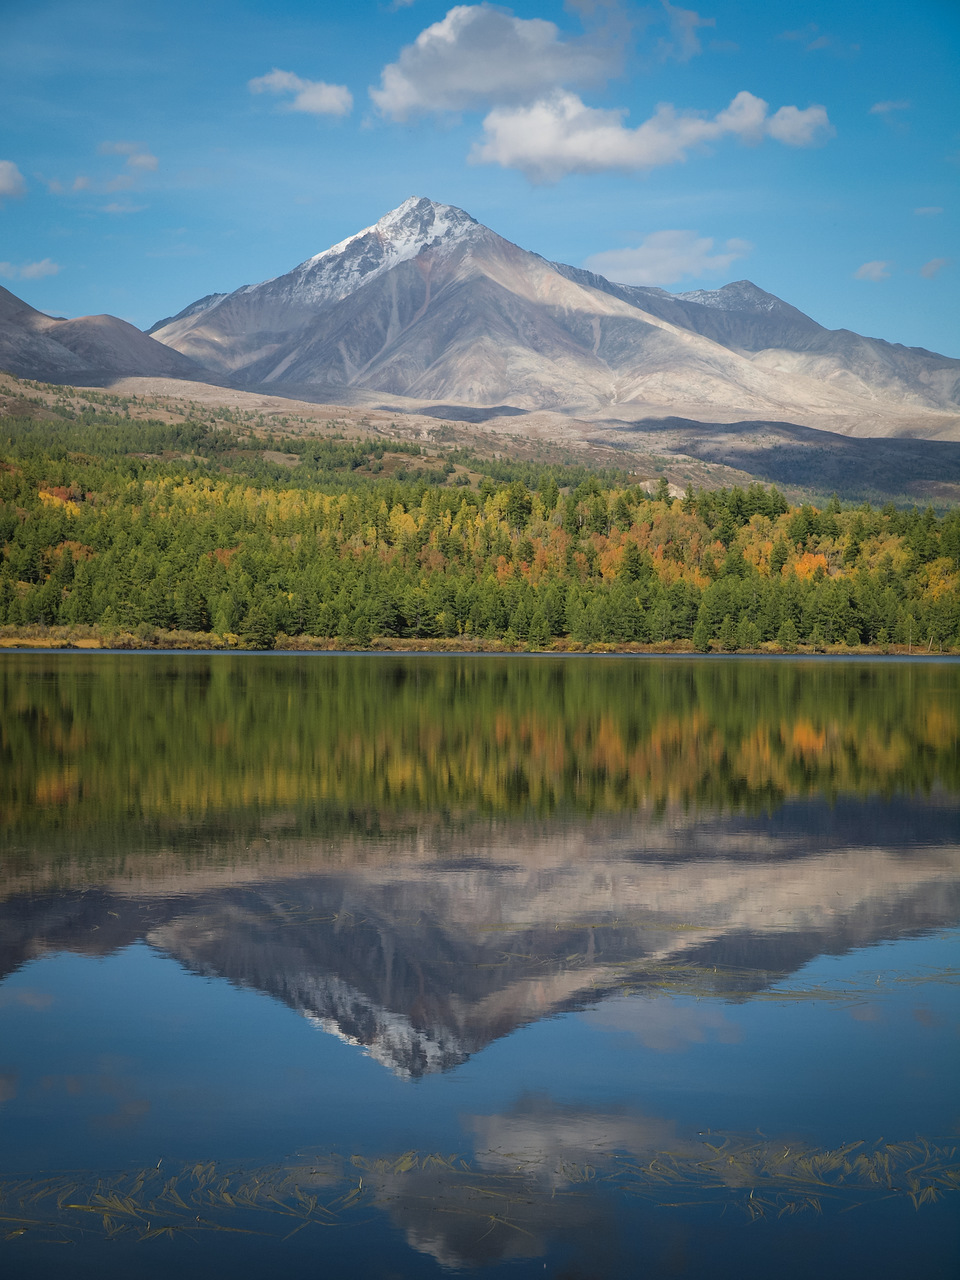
{"x":430,"y":304}
{"x":88,"y":349}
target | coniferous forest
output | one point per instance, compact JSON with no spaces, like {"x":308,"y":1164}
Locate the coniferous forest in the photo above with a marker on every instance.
{"x":206,"y":534}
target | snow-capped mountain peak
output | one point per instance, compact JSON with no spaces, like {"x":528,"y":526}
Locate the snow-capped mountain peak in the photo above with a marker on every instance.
{"x":399,"y":236}
{"x":410,"y":227}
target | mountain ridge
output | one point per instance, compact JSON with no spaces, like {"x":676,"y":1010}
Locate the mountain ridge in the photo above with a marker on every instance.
{"x":33,"y":344}
{"x":429,"y":303}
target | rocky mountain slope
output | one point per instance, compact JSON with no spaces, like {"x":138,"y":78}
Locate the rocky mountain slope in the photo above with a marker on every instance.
{"x":88,"y":350}
{"x":430,"y":304}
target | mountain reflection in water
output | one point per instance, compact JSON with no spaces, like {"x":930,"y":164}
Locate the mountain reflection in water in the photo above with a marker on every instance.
{"x":423,"y":955}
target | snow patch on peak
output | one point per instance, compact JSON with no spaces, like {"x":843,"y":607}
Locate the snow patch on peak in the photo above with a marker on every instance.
{"x":337,"y":272}
{"x":421,"y":221}
{"x":399,"y":236}
{"x":390,"y":1038}
{"x":741,"y":295}
{"x":407,"y":229}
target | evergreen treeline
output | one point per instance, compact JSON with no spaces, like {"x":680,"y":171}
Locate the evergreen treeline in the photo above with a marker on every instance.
{"x":206,"y":529}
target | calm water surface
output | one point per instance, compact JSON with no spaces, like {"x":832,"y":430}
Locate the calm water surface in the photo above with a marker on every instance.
{"x":400,"y":967}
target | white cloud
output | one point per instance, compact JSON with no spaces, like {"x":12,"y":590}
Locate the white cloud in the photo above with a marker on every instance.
{"x":138,"y":157}
{"x":876,"y":270}
{"x":478,"y":55}
{"x":34,"y":270}
{"x":142,"y":161}
{"x":929,"y":210}
{"x":665,"y":257}
{"x":884,"y":108}
{"x":315,"y":97}
{"x":559,"y":134}
{"x":800,"y":128}
{"x":933,"y":267}
{"x":684,"y":43}
{"x":29,"y":270}
{"x":115,"y":207}
{"x":12,"y":185}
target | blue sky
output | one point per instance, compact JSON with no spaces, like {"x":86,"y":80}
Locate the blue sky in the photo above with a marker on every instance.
{"x":152,"y":154}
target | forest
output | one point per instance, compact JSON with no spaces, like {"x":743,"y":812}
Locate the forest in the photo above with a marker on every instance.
{"x":153,"y":533}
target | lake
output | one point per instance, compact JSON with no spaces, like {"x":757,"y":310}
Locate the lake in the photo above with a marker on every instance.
{"x":387,"y":966}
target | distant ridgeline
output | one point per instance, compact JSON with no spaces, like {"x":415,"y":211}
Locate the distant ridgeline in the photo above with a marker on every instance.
{"x":140,"y":529}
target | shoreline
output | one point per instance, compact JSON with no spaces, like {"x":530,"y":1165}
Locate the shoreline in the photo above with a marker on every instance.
{"x":90,"y":639}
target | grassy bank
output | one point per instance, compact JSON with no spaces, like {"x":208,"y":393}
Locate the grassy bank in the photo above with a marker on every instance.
{"x":148,"y":638}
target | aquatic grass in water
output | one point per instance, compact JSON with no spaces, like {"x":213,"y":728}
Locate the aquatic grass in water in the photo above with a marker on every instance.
{"x":757,"y":1176}
{"x":727,"y":982}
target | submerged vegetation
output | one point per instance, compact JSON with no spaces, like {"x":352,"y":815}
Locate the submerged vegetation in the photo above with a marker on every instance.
{"x":138,"y":533}
{"x":759,"y":1177}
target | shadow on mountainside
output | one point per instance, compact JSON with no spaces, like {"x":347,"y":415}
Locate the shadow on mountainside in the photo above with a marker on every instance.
{"x":462,"y":412}
{"x":855,"y":467}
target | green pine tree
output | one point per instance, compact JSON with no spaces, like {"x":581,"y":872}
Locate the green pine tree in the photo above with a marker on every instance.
{"x":787,"y":637}
{"x":728,"y":635}
{"x":748,"y":634}
{"x":257,"y":630}
{"x":701,"y":633}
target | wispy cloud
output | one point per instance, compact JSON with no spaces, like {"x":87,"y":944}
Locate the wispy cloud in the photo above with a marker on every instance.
{"x":875,"y":270}
{"x":29,"y":270}
{"x":138,"y":157}
{"x":665,"y":257}
{"x":683,"y":43}
{"x":115,"y":207}
{"x":12,"y":184}
{"x":138,"y":162}
{"x":813,"y":40}
{"x":929,"y":210}
{"x":884,"y":108}
{"x":933,"y":267}
{"x":561,"y":135}
{"x":315,"y":97}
